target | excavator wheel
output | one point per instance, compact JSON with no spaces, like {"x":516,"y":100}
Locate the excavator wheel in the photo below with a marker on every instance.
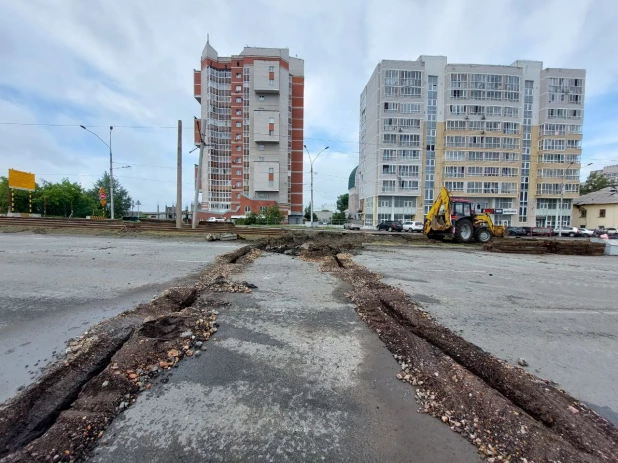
{"x":483,"y":235}
{"x":464,"y":231}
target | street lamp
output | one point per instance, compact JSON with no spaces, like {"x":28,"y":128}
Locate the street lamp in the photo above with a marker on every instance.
{"x":111,"y":169}
{"x":559,"y":218}
{"x":312,"y":161}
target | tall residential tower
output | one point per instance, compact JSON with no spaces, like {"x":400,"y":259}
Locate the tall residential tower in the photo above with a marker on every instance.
{"x":252,"y":122}
{"x":508,"y":138}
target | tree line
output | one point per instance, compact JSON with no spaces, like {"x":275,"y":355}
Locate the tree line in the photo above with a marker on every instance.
{"x":67,"y":199}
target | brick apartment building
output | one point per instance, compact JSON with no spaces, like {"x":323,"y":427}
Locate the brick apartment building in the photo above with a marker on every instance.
{"x":252,"y":119}
{"x":508,"y":138}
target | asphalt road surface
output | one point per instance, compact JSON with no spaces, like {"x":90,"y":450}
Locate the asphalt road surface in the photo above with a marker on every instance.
{"x":560,"y":313}
{"x":293,"y":375}
{"x":54,"y":287}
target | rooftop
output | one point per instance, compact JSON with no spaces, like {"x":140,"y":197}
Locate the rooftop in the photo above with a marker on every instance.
{"x":607,"y":195}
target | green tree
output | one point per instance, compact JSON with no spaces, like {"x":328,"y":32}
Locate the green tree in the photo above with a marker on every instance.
{"x":308,"y":214}
{"x":273,"y":215}
{"x":64,"y":199}
{"x":338,"y":218}
{"x":594,"y":182}
{"x":21,"y":198}
{"x":342,"y":202}
{"x":122,"y":200}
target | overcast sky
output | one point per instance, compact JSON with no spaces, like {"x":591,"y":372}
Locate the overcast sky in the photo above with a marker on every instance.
{"x":130,"y":64}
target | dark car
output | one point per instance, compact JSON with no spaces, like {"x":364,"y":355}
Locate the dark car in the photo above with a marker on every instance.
{"x":517,"y":231}
{"x":390,"y":225}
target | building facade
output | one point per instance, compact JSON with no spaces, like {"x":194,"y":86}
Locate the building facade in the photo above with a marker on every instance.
{"x":597,"y":210}
{"x":252,"y":113}
{"x":507,"y":138}
{"x":609,"y":172}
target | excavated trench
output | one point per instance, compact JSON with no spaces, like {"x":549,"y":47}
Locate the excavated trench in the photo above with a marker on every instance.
{"x":62,"y":416}
{"x":509,"y":414}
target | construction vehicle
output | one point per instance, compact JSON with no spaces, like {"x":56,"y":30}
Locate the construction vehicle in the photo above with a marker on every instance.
{"x":449,"y":217}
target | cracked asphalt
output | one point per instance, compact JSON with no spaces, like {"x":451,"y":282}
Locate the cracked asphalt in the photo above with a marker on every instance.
{"x":55,"y":286}
{"x":293,"y":375}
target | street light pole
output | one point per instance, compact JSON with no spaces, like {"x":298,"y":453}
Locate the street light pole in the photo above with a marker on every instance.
{"x":311,"y":161}
{"x":559,"y":215}
{"x":111,"y":167}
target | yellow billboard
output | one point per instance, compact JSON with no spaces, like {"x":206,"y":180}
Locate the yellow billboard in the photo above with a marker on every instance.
{"x":20,"y":180}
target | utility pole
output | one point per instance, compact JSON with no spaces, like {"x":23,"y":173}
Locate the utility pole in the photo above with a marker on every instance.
{"x":198,"y":179}
{"x":311,"y":161}
{"x":111,"y":175}
{"x":179,"y":178}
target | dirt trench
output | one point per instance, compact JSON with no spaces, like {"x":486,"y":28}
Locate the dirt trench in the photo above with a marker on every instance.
{"x":62,"y":416}
{"x":502,"y":409}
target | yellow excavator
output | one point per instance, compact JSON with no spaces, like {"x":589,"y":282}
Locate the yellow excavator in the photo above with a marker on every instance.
{"x":456,"y":218}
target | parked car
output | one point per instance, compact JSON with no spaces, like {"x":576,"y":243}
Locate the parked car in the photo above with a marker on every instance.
{"x":216,"y":219}
{"x":351,"y":226}
{"x":517,"y":231}
{"x":567,"y":231}
{"x":542,"y":231}
{"x":411,"y":227}
{"x":390,"y":225}
{"x":610,"y":232}
{"x":586,"y":232}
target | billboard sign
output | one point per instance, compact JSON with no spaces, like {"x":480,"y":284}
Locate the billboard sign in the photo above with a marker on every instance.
{"x":20,"y":180}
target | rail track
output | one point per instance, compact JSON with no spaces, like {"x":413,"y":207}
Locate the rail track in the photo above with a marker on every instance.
{"x":162,"y":226}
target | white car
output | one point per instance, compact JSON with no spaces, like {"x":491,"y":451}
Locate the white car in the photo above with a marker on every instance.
{"x":412,"y":227}
{"x":566,"y":231}
{"x":586,"y":232}
{"x":216,"y":219}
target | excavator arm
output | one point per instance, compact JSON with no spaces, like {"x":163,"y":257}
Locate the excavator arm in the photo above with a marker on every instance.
{"x":435,"y":220}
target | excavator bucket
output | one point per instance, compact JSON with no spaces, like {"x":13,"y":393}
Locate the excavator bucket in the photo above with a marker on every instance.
{"x":437,"y":223}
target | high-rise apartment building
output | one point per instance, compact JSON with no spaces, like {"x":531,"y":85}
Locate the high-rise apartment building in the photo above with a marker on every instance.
{"x":252,"y":123}
{"x":609,"y":172}
{"x":508,"y":138}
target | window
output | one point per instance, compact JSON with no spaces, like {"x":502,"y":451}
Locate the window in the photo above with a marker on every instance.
{"x":552,"y":145}
{"x":409,"y":108}
{"x":458,"y":109}
{"x":454,"y":171}
{"x":582,"y":212}
{"x":261,"y":158}
{"x":410,"y":140}
{"x":510,"y":111}
{"x":490,"y":187}
{"x":493,"y":110}
{"x":474,"y":187}
{"x":460,"y":94}
{"x":271,"y":170}
{"x":390,"y":124}
{"x":391,"y":107}
{"x":410,"y":123}
{"x":409,"y":155}
{"x":476,"y":125}
{"x":510,"y":127}
{"x":238,"y":124}
{"x":477,"y":80}
{"x":455,"y":125}
{"x":271,"y":120}
{"x":494,"y":95}
{"x":389,"y":155}
{"x":475,"y":109}
{"x":601,"y":213}
{"x":238,"y":99}
{"x":390,"y":91}
{"x":271,"y":132}
{"x":492,"y":142}
{"x":391,"y":77}
{"x":247,"y":209}
{"x":454,"y":186}
{"x":237,"y":195}
{"x":509,"y":172}
{"x":238,"y":137}
{"x":389,"y":170}
{"x":508,"y":188}
{"x":271,"y":183}
{"x":238,"y":75}
{"x":408,"y":185}
{"x":238,"y":172}
{"x":411,"y":91}
{"x":475,"y":171}
{"x":491,"y":172}
{"x":510,"y":157}
{"x":574,"y":144}
{"x":408,"y":171}
{"x":455,"y":156}
{"x":388,"y":185}
{"x":261,"y":147}
{"x":238,"y":88}
{"x":459,"y":81}
{"x":261,"y":97}
{"x":456,"y":141}
{"x":239,"y":112}
{"x":510,"y":143}
{"x":389,"y":138}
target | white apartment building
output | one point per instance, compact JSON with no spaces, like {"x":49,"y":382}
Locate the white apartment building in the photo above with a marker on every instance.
{"x":609,"y":172}
{"x":507,"y":138}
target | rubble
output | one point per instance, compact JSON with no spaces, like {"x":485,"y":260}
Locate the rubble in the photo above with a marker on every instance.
{"x":536,"y":246}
